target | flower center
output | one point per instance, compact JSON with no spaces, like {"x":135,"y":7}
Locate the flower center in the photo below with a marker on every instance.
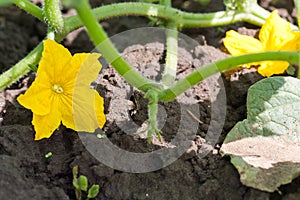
{"x":58,"y":89}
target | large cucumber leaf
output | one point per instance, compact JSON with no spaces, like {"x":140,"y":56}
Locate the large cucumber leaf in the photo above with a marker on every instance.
{"x":265,"y":147}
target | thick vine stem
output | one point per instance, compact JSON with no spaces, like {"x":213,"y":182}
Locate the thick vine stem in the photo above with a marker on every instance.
{"x":185,"y":19}
{"x":222,"y":65}
{"x":182,"y":18}
{"x":25,"y":65}
{"x":21,"y":68}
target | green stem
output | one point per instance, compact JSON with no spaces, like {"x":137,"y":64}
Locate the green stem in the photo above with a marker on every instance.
{"x":168,"y":76}
{"x":105,"y":46}
{"x":30,"y":8}
{"x":260,"y":12}
{"x":53,"y":16}
{"x":152,"y":95}
{"x":183,"y":19}
{"x":221,"y":66}
{"x":222,"y":18}
{"x":21,"y":68}
{"x":25,"y":65}
{"x":170,"y":69}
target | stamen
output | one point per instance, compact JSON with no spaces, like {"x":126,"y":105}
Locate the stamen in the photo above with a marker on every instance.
{"x":58,"y":89}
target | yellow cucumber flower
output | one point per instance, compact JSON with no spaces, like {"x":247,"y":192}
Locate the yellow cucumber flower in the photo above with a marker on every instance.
{"x":275,"y":35}
{"x":61,"y":92}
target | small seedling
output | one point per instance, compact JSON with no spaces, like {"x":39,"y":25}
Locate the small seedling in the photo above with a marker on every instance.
{"x":81,"y":185}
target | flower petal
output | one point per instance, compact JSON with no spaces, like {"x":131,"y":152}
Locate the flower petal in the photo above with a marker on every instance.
{"x":83,"y":69}
{"x":85,"y":113}
{"x":292,"y":43}
{"x":275,"y":32}
{"x":268,"y":68}
{"x":67,"y":112}
{"x":238,"y":44}
{"x":55,"y":59}
{"x":79,"y":112}
{"x":45,"y":125}
{"x":89,"y":67}
{"x":37,"y":97}
{"x":99,"y":105}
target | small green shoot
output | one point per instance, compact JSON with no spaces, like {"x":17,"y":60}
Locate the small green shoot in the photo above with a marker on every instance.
{"x":81,"y":184}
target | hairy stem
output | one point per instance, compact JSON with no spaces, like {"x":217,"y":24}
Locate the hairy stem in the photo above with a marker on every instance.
{"x":21,"y":68}
{"x":182,"y":18}
{"x":53,"y":16}
{"x":221,"y":66}
{"x":25,"y":65}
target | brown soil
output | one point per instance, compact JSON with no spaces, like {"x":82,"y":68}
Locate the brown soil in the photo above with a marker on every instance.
{"x":25,"y":173}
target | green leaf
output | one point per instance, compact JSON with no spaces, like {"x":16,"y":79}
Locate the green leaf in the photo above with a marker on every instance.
{"x":265,"y":147}
{"x":93,"y":191}
{"x":76,"y":184}
{"x":83,"y":182}
{"x":291,"y":70}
